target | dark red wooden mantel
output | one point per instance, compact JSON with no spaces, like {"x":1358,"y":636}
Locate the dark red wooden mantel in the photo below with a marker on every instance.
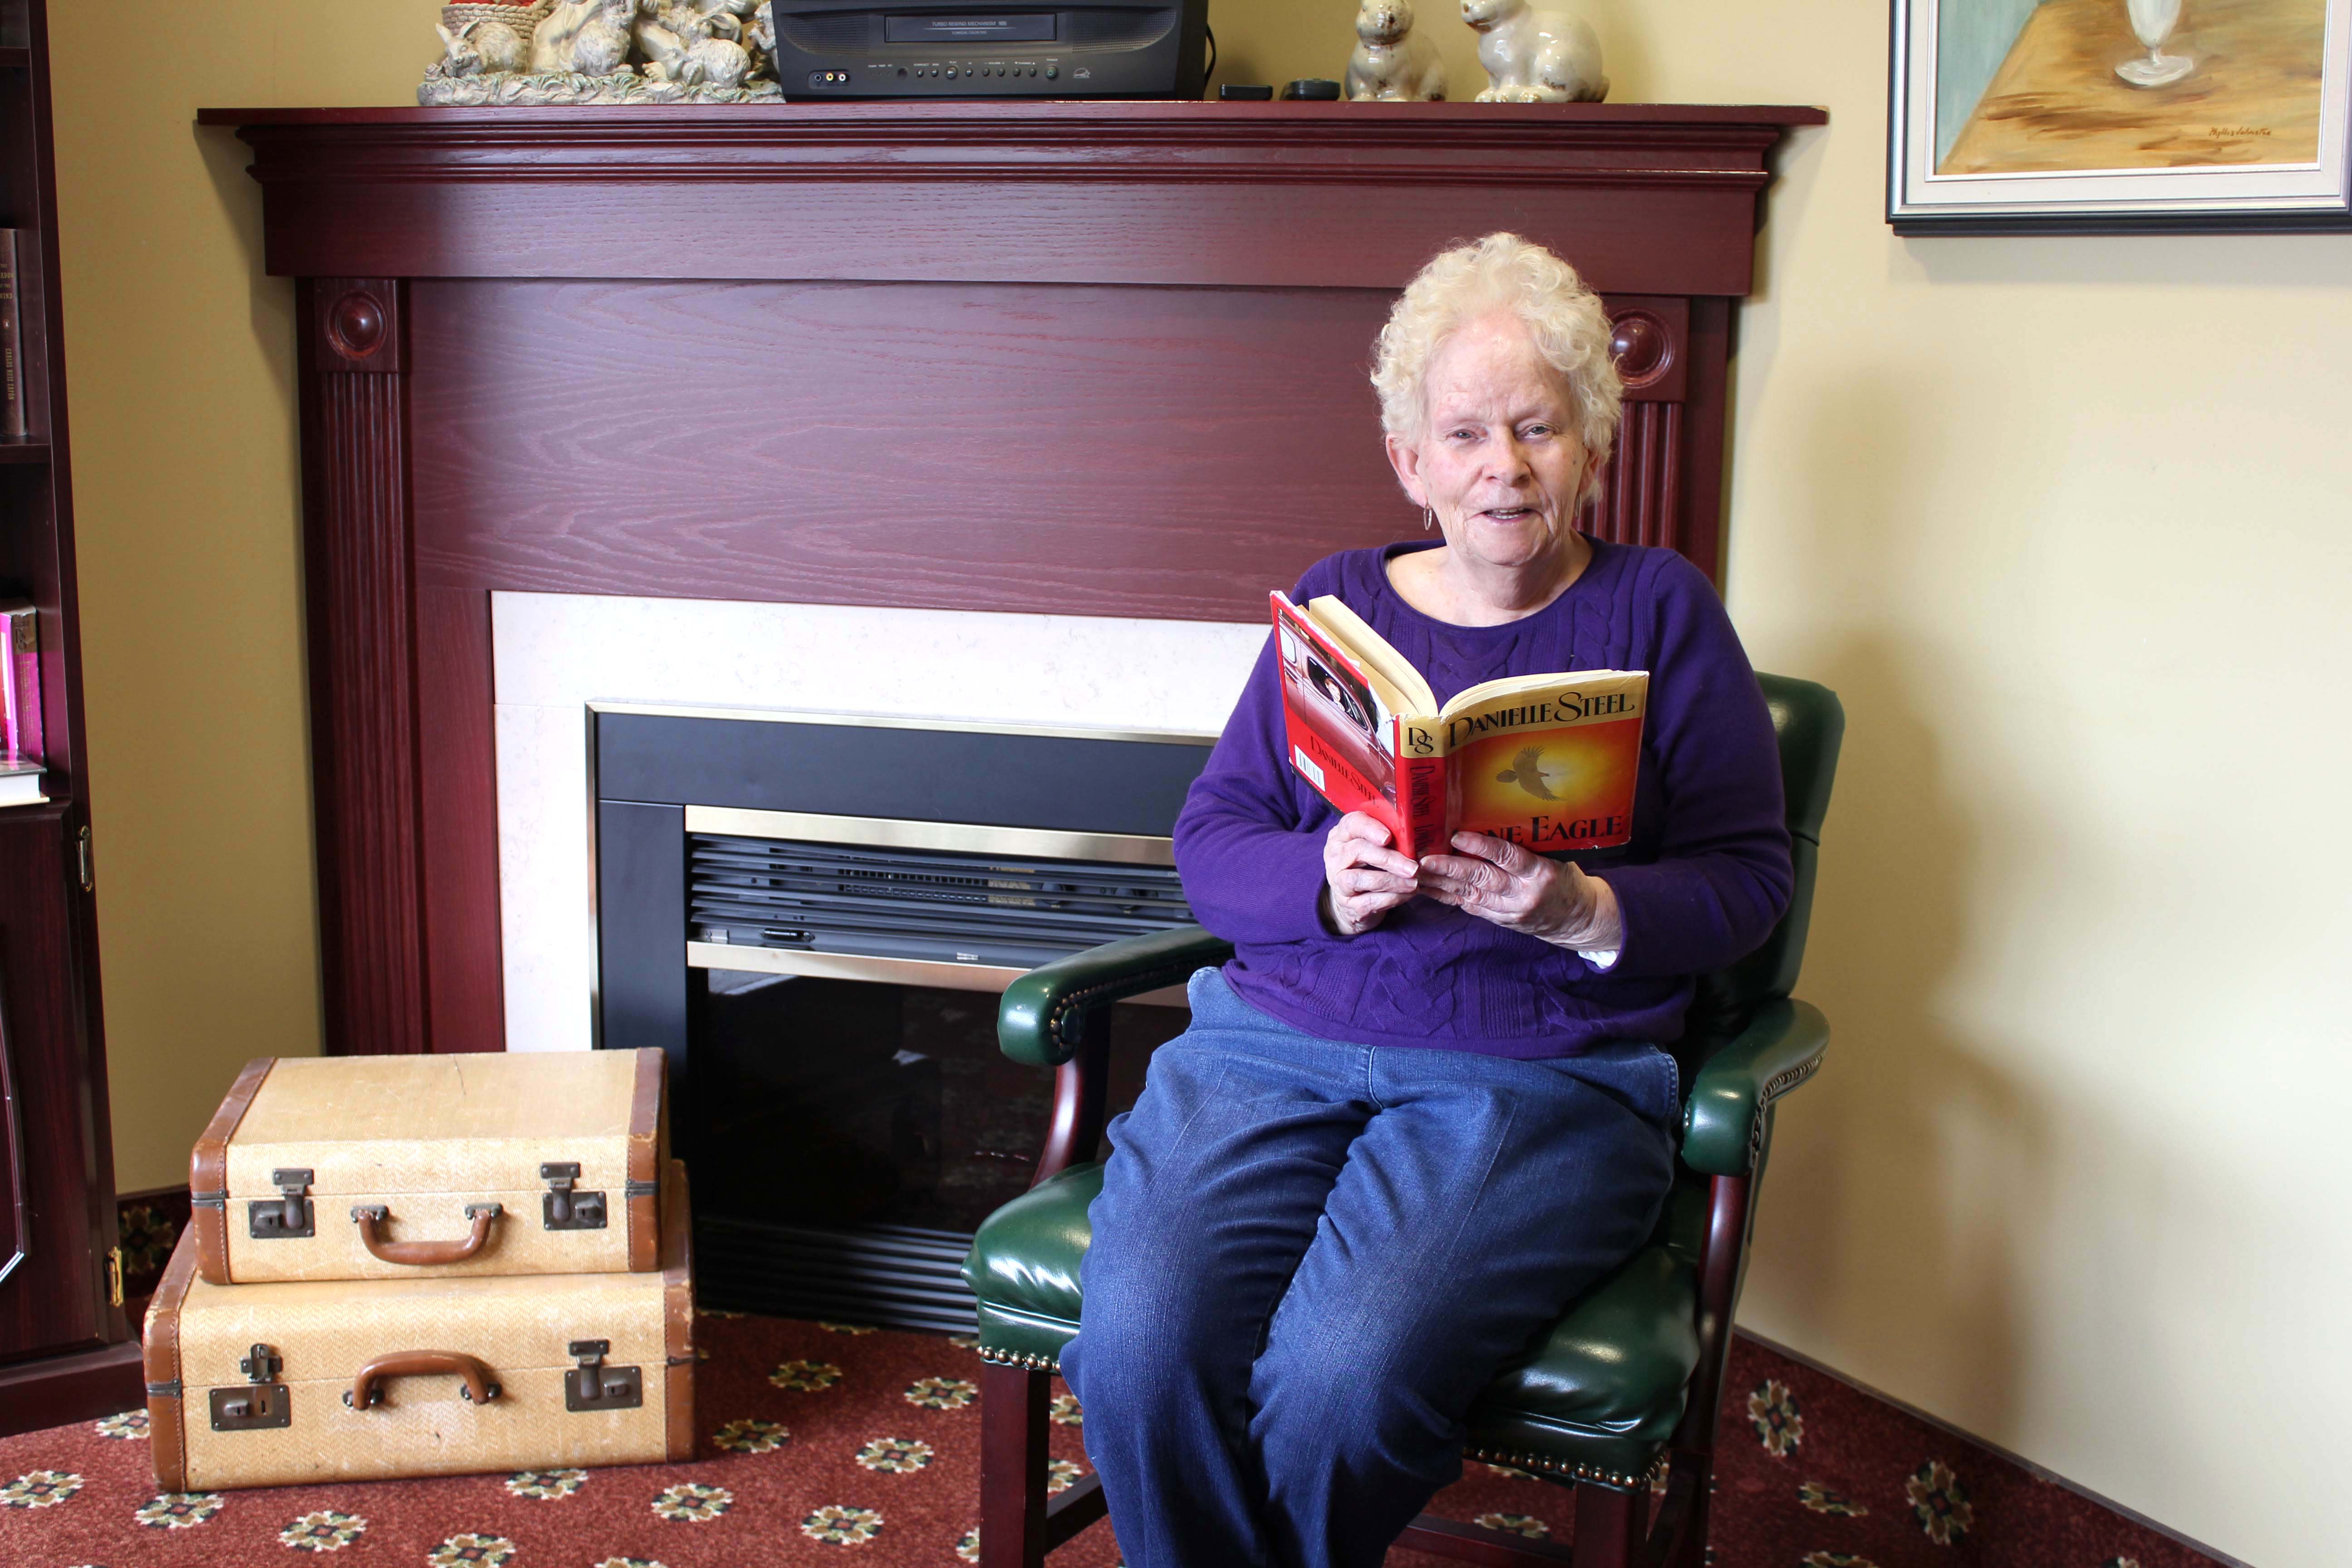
{"x":1090,"y":359}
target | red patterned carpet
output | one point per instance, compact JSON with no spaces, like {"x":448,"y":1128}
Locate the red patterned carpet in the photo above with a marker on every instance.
{"x":861,"y":1448}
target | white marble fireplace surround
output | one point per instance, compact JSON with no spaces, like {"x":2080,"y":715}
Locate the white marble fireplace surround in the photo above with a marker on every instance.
{"x":555,"y":654}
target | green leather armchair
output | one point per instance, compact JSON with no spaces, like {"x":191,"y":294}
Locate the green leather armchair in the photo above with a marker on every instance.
{"x":1625,"y":1388}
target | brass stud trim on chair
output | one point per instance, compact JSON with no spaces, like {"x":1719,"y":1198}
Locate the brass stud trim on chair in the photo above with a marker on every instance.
{"x":1025,"y":1359}
{"x":1077,"y":1003}
{"x":1577,"y":1472}
{"x":1778,"y":1084}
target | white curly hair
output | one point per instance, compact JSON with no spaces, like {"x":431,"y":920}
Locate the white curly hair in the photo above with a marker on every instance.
{"x":1571,"y":328}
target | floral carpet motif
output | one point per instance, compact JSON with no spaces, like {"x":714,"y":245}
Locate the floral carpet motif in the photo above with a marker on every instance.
{"x":323,"y":1531}
{"x":1772,"y":1412}
{"x":547,"y":1484}
{"x":863,"y":1449}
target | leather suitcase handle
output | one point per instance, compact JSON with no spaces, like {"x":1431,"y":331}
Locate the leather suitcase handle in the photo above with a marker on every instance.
{"x":421,"y":1254}
{"x":365,"y":1389}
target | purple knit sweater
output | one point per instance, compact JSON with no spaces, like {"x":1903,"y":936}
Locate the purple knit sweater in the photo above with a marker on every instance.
{"x":1702,"y":883}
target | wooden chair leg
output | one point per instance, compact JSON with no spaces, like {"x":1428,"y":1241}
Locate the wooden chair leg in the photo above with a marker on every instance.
{"x":1013,"y":1428}
{"x":1690,"y":1488}
{"x":1610,"y":1530}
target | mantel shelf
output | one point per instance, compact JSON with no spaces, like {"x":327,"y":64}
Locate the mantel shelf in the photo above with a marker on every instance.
{"x":1155,"y":193}
{"x":1012,"y":118}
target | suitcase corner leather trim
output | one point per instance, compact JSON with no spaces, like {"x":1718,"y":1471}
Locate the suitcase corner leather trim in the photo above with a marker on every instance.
{"x":160,"y":1357}
{"x":678,"y":1290}
{"x":648,"y":1129}
{"x":208,"y":1173}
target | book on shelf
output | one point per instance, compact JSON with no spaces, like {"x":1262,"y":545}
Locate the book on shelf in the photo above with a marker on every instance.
{"x":20,"y":783}
{"x":1548,"y":762}
{"x":20,"y":684}
{"x":13,"y":425}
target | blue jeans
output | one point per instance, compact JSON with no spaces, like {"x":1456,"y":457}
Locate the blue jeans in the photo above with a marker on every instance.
{"x":1310,"y":1256}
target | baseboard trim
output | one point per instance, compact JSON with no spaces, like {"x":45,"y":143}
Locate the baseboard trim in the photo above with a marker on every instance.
{"x":2038,"y":1472}
{"x":57,"y":1390}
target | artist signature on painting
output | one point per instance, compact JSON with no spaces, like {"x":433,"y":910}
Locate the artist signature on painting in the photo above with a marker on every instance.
{"x":2239,"y":130}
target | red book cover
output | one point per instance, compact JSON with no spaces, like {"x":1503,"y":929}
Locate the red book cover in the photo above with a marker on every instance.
{"x":1342,"y":741}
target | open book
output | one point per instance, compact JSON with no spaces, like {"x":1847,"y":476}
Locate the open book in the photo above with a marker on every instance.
{"x":1544,"y":760}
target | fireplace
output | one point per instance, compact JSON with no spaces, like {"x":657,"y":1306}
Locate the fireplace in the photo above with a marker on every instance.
{"x":813,"y":914}
{"x":1128,"y":393}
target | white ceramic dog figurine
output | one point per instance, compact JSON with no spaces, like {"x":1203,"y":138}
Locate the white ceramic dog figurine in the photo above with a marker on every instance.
{"x":1391,"y":61}
{"x":1536,"y":55}
{"x":485,"y":48}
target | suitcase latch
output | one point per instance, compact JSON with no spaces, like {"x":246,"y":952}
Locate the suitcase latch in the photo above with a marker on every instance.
{"x":593,"y":1385}
{"x":563,"y":1209}
{"x":262,"y":1403}
{"x":287,"y":1217}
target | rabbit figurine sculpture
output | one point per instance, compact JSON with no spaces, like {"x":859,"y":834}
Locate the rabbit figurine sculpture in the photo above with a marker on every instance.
{"x":1536,"y":54}
{"x":687,"y":44}
{"x":482,"y":48}
{"x":587,"y":36}
{"x":1391,"y":61}
{"x":603,"y":46}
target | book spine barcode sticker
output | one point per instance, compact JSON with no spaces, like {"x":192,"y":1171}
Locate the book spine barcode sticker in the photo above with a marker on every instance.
{"x":1305,"y":764}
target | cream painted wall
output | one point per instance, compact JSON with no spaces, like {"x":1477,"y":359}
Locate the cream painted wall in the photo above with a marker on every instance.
{"x":180,"y":368}
{"x":2062,"y":520}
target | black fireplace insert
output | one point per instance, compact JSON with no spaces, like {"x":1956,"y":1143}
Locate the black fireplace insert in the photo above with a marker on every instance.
{"x":812,"y":915}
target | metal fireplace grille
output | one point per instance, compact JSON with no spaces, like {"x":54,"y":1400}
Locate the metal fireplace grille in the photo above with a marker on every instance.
{"x":895,"y":890}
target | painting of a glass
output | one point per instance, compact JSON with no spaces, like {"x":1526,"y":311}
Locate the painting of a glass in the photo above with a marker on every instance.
{"x":2121,"y":107}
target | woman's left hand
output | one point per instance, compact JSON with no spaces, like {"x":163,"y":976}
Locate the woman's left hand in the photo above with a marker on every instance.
{"x":1520,"y":891}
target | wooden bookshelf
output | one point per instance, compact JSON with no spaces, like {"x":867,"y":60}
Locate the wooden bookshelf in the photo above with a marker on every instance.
{"x":66,"y":1349}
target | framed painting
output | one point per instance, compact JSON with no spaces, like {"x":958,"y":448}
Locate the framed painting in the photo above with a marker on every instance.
{"x":2091,"y":116}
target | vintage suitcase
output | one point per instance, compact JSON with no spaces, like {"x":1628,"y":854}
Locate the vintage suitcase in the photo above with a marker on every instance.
{"x":256,"y":1385}
{"x":389,"y":1167}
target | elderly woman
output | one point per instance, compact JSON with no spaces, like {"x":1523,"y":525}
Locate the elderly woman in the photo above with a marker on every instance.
{"x":1426,"y":1105}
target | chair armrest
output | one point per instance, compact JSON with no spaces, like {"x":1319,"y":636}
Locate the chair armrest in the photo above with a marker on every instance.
{"x":1042,"y":1018}
{"x":1723,"y":1120}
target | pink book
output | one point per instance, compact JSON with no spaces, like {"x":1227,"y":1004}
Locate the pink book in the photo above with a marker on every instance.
{"x":20,"y":683}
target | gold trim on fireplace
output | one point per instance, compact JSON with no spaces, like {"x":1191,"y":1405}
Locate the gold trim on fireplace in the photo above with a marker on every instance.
{"x":956,"y":837}
{"x":898,"y":721}
{"x":858,"y":966}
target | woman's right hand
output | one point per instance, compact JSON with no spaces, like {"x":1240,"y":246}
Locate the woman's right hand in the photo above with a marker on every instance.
{"x":1363,"y":879}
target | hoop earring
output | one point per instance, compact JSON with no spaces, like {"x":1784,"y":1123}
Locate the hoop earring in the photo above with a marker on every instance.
{"x":1428,"y":520}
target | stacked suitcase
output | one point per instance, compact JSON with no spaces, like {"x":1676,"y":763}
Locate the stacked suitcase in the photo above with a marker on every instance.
{"x":413,"y":1265}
